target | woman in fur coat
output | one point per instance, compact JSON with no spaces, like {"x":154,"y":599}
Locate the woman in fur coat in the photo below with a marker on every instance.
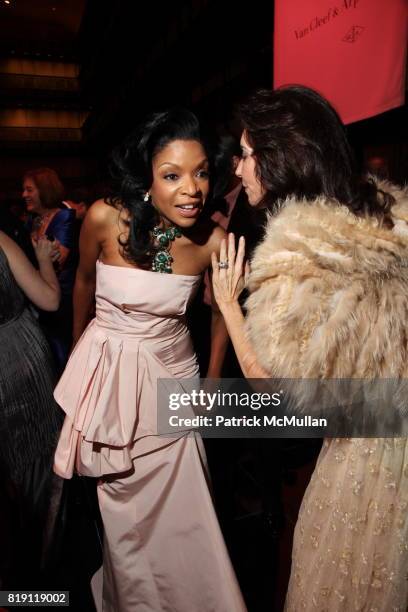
{"x":328,"y":299}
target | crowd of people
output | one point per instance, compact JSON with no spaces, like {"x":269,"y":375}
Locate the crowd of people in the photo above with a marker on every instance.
{"x":302,"y":263}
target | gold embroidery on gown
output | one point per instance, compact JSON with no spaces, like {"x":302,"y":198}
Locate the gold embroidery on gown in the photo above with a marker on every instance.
{"x":351,"y":540}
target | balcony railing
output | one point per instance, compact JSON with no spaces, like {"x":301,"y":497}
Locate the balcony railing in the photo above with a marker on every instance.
{"x":34,"y":134}
{"x":38,"y":83}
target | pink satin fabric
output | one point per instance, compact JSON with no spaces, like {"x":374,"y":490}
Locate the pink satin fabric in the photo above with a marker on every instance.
{"x":163,"y":548}
{"x":108,"y":390}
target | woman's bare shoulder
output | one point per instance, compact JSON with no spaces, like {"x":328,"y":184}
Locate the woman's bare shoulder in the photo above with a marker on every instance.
{"x":13,"y":252}
{"x":104,"y":212}
{"x":7,"y":244}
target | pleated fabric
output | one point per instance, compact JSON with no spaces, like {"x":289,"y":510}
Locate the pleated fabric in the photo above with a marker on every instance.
{"x":163,"y":548}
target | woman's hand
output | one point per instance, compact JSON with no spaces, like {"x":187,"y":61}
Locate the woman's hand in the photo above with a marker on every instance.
{"x":45,"y":250}
{"x":228,"y":273}
{"x":56,"y":251}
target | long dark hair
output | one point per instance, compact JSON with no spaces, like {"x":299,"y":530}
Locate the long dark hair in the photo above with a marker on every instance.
{"x":132,"y":170}
{"x":301,"y":149}
{"x":226,"y":148}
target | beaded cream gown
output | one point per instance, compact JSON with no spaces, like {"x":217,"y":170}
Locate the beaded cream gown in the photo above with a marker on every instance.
{"x":350,"y":548}
{"x":329,"y":300}
{"x":163,"y":548}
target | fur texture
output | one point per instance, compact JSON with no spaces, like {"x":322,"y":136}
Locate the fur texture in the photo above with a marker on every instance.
{"x":329,"y":292}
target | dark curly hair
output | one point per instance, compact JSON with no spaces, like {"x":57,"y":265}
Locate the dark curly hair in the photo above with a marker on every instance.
{"x":132,"y":171}
{"x":301,"y":149}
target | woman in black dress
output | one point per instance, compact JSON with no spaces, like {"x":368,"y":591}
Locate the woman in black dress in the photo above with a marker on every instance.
{"x":29,"y":418}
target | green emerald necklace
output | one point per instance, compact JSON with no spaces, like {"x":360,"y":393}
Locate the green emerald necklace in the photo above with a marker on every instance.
{"x":164,"y":237}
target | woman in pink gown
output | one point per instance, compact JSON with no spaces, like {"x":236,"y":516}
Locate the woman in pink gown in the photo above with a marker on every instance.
{"x":163,"y":549}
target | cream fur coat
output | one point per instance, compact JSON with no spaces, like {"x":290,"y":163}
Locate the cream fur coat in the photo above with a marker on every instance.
{"x":329,"y":292}
{"x":329,"y":299}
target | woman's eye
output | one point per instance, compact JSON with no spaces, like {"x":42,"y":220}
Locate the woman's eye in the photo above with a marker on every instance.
{"x":171,"y":177}
{"x":203,"y":173}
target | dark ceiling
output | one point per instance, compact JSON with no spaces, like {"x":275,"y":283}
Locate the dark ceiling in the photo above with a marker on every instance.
{"x":135,"y":56}
{"x":40,"y":28}
{"x":132,"y":56}
{"x":201,"y":53}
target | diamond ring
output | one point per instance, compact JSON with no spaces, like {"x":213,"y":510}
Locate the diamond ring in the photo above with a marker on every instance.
{"x":223,"y":265}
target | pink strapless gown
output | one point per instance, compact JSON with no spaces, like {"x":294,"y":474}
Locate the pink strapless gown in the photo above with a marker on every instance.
{"x":163,"y":549}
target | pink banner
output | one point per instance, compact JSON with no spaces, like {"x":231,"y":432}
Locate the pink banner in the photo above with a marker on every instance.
{"x":351,"y":51}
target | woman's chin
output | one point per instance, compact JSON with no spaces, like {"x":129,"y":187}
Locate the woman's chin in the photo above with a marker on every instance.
{"x":32,"y":209}
{"x":186,"y":223}
{"x":183,"y":221}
